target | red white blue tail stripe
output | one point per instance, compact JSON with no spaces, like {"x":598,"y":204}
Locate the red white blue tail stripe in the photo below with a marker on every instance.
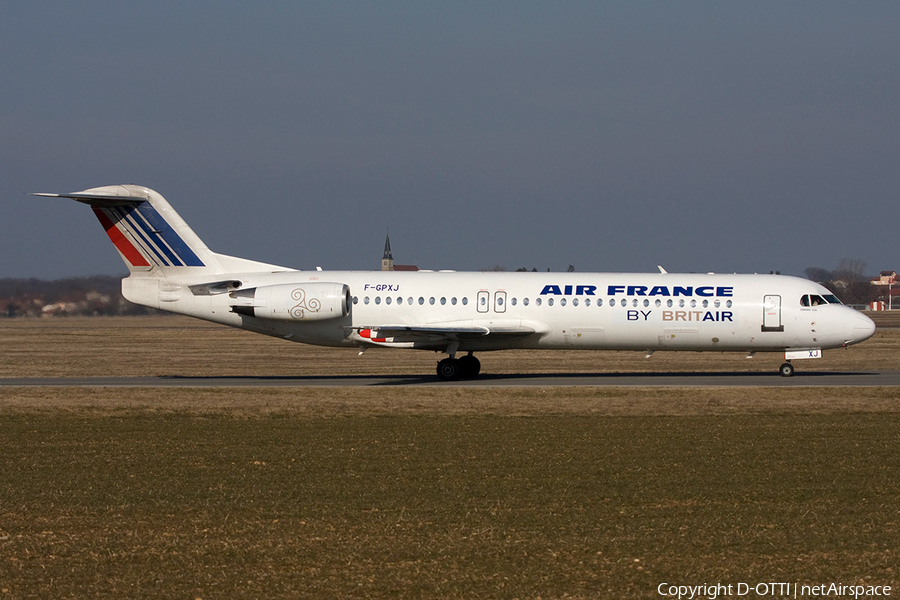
{"x":144,"y":237}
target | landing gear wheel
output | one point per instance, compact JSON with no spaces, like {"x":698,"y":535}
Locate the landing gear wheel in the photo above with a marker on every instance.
{"x":786,"y":370}
{"x":469,"y":367}
{"x":448,"y":369}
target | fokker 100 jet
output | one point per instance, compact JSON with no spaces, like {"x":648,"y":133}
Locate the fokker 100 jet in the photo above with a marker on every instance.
{"x":462,"y":313}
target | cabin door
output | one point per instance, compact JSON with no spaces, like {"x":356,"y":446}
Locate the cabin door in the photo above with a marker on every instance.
{"x":772,"y":314}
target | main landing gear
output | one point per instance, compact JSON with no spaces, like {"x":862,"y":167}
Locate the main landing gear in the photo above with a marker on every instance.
{"x":451,"y":369}
{"x":786,"y":370}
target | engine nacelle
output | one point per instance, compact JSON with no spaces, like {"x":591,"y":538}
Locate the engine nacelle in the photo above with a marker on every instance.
{"x":293,"y":301}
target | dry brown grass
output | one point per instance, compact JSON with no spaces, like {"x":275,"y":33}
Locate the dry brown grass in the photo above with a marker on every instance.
{"x":181,"y":346}
{"x":174,"y":502}
{"x":884,"y":318}
{"x":454,"y":492}
{"x":339,"y":402}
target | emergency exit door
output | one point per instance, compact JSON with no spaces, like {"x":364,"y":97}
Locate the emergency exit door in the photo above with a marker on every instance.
{"x":500,"y":302}
{"x":482,"y":301}
{"x":772,"y":314}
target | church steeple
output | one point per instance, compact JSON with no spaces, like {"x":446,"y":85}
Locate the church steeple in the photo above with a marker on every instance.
{"x":387,"y":261}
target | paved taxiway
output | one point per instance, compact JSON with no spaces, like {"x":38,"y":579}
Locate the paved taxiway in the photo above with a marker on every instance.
{"x":810,"y":379}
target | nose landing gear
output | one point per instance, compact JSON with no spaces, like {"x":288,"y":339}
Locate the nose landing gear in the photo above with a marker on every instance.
{"x":786,"y":370}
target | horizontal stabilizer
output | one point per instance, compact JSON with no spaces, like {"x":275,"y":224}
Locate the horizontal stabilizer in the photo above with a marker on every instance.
{"x":102,"y":201}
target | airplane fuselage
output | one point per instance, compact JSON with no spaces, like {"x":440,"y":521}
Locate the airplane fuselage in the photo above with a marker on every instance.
{"x":600,"y":311}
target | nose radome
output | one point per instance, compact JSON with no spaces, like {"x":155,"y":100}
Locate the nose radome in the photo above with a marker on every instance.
{"x":863,"y":329}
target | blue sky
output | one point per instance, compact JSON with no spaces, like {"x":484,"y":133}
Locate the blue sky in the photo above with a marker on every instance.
{"x":610,"y":136}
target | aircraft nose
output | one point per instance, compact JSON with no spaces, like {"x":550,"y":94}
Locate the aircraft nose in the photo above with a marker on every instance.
{"x":863,"y":329}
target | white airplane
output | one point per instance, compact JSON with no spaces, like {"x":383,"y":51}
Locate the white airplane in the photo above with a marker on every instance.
{"x":449,"y":312}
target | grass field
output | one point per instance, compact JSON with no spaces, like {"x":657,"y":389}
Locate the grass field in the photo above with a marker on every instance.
{"x":84,"y":346}
{"x":428,"y":493}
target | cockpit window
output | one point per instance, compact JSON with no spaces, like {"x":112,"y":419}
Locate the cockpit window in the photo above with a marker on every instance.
{"x":816,"y":300}
{"x":832,"y":299}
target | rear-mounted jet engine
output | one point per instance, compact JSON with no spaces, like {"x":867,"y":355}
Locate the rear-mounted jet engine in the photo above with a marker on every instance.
{"x":293,"y":301}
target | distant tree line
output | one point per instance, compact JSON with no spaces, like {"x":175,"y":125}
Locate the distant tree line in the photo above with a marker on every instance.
{"x":501,"y":268}
{"x":75,"y":296}
{"x":848,"y":281}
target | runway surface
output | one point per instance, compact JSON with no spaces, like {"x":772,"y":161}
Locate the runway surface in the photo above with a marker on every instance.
{"x":810,"y":379}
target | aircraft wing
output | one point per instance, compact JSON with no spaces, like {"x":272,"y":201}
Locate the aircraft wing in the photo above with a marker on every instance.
{"x":448,"y":332}
{"x":471,"y":334}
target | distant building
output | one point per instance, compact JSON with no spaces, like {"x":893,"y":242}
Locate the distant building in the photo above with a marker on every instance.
{"x":387,"y":260}
{"x":887,"y":299}
{"x":885,"y":278}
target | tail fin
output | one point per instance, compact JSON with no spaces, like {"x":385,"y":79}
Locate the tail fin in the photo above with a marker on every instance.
{"x":145,"y":229}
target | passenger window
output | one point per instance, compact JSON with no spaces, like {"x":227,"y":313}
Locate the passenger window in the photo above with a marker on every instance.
{"x":612,"y":302}
{"x":549,"y":301}
{"x":465,"y":301}
{"x":355,"y":299}
{"x":513,"y":301}
{"x":409,"y":301}
{"x":646,"y":303}
{"x":599,"y":301}
{"x":421,"y":300}
{"x":377,"y":299}
{"x":562,"y":302}
{"x":443,"y":301}
{"x":453,"y":301}
{"x":575,"y":302}
{"x":387,"y":300}
{"x":525,"y":301}
{"x":366,"y":300}
{"x":587,"y":301}
{"x":658,"y":303}
{"x":538,"y":301}
{"x":431,"y":301}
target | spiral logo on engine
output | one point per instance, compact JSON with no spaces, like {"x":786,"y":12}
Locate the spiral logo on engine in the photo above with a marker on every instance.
{"x":312,"y":305}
